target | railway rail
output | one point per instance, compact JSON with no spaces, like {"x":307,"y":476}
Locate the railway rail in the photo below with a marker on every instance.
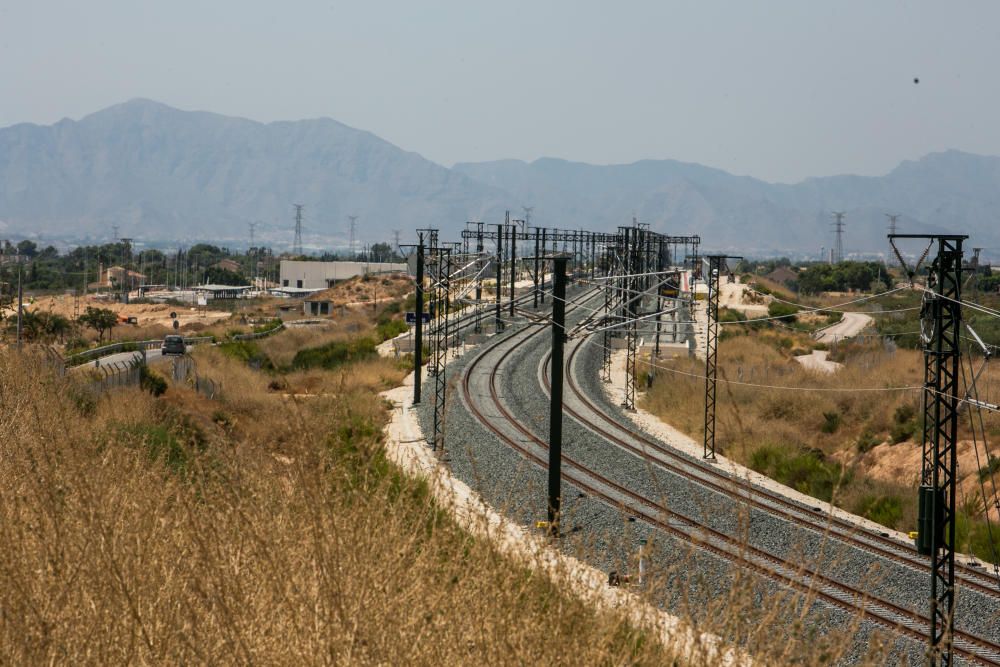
{"x":710,"y":476}
{"x":704,"y":538}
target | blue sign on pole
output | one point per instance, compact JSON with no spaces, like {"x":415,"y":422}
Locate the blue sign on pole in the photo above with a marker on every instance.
{"x":411,"y":317}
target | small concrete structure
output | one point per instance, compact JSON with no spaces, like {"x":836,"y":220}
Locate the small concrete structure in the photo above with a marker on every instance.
{"x":317,"y":305}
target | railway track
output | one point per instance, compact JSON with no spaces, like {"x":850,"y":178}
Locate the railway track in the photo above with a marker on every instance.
{"x":506,"y":426}
{"x":649,"y":449}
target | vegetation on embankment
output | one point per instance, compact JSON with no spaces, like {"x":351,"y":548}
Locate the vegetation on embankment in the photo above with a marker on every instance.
{"x":824,"y":443}
{"x":253,"y":529}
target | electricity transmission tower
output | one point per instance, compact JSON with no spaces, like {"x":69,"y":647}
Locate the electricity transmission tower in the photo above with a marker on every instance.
{"x":974,"y":278}
{"x":396,"y":234}
{"x":838,"y":230}
{"x":354,"y":228}
{"x":297,"y":244}
{"x":253,"y":269}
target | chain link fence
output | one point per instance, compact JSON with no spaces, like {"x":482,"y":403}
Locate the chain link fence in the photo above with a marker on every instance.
{"x":185,"y":369}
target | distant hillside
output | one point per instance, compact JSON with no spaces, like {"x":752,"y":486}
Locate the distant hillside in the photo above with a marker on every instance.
{"x":943,"y":191}
{"x":164,"y":174}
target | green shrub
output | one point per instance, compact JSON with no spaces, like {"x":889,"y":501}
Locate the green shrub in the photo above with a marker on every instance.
{"x":885,"y":510}
{"x":832,"y":317}
{"x":904,"y":413}
{"x":334,"y":354}
{"x":785,"y":311}
{"x":867,"y":441}
{"x":248,"y":352}
{"x":902,"y":432}
{"x":730,"y":315}
{"x":831,"y":422}
{"x":805,"y":470}
{"x":151,"y":381}
{"x":982,"y":539}
{"x":990,"y":468}
{"x":388,"y":328}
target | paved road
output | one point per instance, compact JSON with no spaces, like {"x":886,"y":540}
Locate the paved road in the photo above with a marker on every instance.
{"x":851,"y":325}
{"x":152,"y":356}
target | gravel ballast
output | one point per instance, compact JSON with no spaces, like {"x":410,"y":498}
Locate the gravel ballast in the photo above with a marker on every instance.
{"x":604,"y":536}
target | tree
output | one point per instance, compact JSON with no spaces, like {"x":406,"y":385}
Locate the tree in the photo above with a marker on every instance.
{"x":100,"y":320}
{"x":203,"y":254}
{"x":27,"y":248}
{"x":382,"y":252}
{"x":218,"y":276}
{"x":41,"y":325}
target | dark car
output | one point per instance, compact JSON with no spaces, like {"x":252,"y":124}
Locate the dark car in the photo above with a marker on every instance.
{"x":173,"y":345}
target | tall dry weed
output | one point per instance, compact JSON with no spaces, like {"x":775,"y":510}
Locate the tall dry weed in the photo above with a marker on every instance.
{"x":135,"y":530}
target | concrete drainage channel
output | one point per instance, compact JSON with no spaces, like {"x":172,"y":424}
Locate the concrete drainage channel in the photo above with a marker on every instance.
{"x":608,"y":539}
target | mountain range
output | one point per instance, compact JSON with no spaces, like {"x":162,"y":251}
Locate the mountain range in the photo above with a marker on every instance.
{"x":163,"y":175}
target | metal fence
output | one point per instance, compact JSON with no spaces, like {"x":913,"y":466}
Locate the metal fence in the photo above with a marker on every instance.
{"x":115,"y":375}
{"x":185,"y":369}
{"x":259,"y":334}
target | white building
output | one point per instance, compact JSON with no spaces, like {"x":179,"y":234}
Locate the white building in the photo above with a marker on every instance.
{"x":321,"y":275}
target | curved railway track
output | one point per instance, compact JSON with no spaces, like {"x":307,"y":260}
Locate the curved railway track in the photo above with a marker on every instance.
{"x":794,"y":575}
{"x":651,"y":450}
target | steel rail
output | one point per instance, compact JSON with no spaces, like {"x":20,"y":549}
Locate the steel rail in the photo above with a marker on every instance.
{"x":777,"y":504}
{"x":843,"y":596}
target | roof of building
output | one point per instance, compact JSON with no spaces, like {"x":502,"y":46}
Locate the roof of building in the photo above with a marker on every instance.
{"x":220,"y":288}
{"x":297,"y":291}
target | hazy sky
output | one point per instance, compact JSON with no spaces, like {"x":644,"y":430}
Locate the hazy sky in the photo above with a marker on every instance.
{"x":777,"y":90}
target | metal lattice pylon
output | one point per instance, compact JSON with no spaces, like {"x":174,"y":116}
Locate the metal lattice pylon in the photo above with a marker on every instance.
{"x":633,"y":266}
{"x":943,"y":402}
{"x":442,"y":292}
{"x":929,"y":314}
{"x":609,"y":286}
{"x":711,"y":350}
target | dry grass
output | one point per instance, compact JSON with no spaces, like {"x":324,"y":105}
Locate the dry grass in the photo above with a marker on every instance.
{"x":368,"y":289}
{"x":258,"y":529}
{"x":252,"y":530}
{"x":281,"y":349}
{"x":835,"y":428}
